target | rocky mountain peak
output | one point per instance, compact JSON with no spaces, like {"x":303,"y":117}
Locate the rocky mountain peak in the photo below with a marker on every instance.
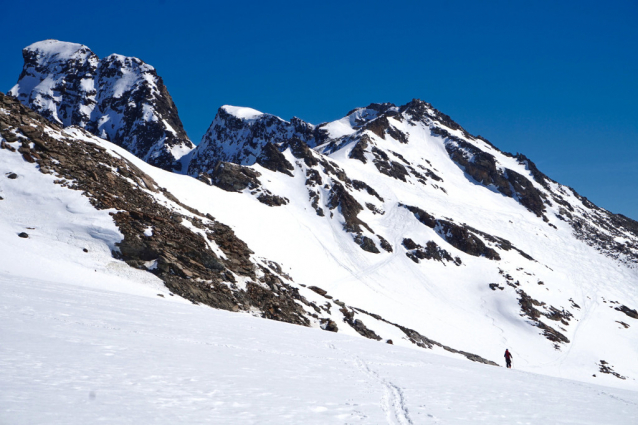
{"x":119,"y":98}
{"x":57,"y":81}
{"x":239,"y":135}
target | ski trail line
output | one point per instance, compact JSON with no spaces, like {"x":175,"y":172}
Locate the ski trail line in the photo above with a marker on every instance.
{"x":392,"y":402}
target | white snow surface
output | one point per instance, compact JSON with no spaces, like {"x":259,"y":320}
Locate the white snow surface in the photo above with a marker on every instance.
{"x":242,"y":112}
{"x":78,"y":355}
{"x":55,"y":50}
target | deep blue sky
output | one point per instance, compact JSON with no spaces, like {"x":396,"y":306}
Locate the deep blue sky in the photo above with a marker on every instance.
{"x":557,"y":81}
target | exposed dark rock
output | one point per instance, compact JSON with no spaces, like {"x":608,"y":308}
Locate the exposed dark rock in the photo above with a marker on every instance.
{"x":301,"y":150}
{"x":361,"y":329}
{"x":528,"y":308}
{"x":628,"y":311}
{"x":176,"y":254}
{"x":422,"y":216}
{"x":431,"y":251}
{"x":387,"y":166}
{"x":234,"y":178}
{"x":563,"y":316}
{"x":84,"y":93}
{"x":539,"y":177}
{"x":424,"y":342}
{"x":605,"y":367}
{"x":314,"y":197}
{"x":272,"y":200}
{"x":481,"y":166}
{"x":12,"y":176}
{"x":23,"y":235}
{"x":331,"y":168}
{"x":318,"y":290}
{"x":385,"y":244}
{"x":360,"y":185}
{"x":358,"y":152}
{"x":366,"y":244}
{"x":463,"y":237}
{"x":328,"y":325}
{"x":495,"y":286}
{"x":397,"y":134}
{"x":274,"y":160}
{"x":349,"y":208}
{"x":313,"y":177}
{"x":374,"y":209}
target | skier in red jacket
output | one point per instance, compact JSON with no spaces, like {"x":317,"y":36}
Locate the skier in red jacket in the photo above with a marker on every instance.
{"x":508,"y":358}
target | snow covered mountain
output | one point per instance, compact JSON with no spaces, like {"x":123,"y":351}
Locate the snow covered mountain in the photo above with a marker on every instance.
{"x":392,"y":223}
{"x":118,"y":98}
{"x":402,"y":210}
{"x":85,"y":195}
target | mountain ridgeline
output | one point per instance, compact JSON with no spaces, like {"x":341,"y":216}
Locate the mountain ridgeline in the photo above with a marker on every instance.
{"x":392,"y":222}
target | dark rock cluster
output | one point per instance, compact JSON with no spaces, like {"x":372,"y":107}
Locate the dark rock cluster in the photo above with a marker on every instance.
{"x":431,"y":251}
{"x":528,"y":309}
{"x":460,"y":237}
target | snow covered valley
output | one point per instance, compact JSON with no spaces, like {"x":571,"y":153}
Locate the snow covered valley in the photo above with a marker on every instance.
{"x":76,"y":355}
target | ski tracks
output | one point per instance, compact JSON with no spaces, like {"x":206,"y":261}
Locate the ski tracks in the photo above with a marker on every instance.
{"x":392,"y":401}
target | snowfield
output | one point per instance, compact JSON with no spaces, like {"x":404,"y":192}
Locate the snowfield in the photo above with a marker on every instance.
{"x":76,"y":355}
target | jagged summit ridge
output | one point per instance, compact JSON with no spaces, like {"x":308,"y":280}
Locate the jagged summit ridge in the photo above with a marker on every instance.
{"x":239,"y":134}
{"x":118,"y":98}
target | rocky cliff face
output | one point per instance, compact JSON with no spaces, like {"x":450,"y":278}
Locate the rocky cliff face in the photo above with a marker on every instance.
{"x":118,"y":98}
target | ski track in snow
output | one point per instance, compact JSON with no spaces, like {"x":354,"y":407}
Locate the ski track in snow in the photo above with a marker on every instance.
{"x":392,"y":401}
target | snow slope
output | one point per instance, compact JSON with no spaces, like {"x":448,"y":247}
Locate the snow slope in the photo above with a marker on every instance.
{"x":81,"y":354}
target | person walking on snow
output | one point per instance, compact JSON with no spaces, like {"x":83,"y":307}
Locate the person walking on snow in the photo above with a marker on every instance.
{"x":508,"y":358}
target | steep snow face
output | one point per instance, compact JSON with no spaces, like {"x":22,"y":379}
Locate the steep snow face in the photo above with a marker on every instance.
{"x":121,"y":99}
{"x":239,"y":134}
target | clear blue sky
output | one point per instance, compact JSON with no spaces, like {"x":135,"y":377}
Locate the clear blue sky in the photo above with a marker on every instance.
{"x":557,"y":81}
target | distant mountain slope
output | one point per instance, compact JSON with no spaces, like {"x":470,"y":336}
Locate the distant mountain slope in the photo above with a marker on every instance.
{"x":118,"y":98}
{"x":65,"y":191}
